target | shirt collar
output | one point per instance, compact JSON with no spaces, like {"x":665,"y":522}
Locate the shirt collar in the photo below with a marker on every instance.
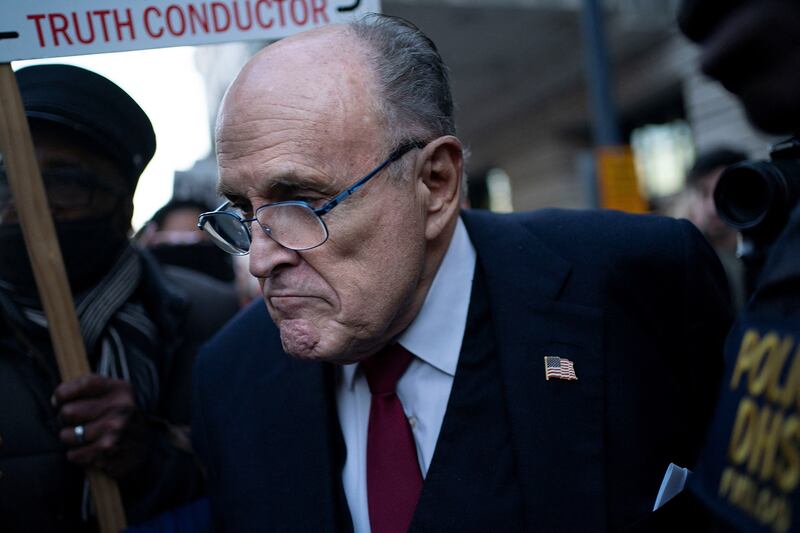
{"x":435,"y":334}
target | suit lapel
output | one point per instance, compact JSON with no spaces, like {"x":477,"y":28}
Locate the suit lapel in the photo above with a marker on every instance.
{"x":299,"y":448}
{"x":556,"y":425}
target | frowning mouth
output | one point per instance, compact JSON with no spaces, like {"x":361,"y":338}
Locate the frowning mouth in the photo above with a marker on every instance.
{"x":292,"y":302}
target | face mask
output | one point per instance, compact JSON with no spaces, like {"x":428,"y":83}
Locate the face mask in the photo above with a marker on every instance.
{"x":204,"y":257}
{"x":89,"y":248}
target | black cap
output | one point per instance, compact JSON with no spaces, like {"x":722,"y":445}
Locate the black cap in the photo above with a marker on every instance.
{"x":93,"y":106}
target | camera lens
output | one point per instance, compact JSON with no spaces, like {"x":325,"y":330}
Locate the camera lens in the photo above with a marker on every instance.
{"x":755,"y":197}
{"x":743,"y":194}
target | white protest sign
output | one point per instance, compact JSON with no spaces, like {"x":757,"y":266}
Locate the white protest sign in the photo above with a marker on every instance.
{"x":33,"y":29}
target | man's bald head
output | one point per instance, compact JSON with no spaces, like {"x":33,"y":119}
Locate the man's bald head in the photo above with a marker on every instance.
{"x":320,"y":78}
{"x":400,"y":67}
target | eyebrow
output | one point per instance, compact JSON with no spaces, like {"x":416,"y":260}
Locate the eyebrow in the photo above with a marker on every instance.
{"x":293,"y":184}
{"x":223,"y":189}
{"x":289,"y":183}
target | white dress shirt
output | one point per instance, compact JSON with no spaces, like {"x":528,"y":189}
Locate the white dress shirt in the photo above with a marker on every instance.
{"x":434,"y":337}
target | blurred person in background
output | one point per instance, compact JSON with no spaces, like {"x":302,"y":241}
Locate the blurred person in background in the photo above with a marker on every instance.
{"x":752,"y":47}
{"x":701,"y":180}
{"x":141,"y":329}
{"x":172,"y":236}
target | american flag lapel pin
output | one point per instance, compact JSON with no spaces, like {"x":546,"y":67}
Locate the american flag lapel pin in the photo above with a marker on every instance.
{"x":559,"y":368}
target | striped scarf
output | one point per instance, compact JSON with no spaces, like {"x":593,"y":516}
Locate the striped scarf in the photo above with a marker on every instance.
{"x":123,"y":331}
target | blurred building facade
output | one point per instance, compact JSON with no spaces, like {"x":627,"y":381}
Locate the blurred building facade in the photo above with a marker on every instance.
{"x":519,"y":83}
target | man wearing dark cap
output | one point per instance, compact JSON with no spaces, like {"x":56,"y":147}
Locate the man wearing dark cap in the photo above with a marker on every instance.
{"x":130,"y":417}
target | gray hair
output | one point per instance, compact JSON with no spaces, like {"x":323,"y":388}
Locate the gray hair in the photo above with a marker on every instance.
{"x":416,"y":100}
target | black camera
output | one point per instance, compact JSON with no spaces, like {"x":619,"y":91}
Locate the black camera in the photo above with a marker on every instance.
{"x":756,"y":198}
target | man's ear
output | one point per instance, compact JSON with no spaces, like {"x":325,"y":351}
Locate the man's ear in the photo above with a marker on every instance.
{"x":440,"y":174}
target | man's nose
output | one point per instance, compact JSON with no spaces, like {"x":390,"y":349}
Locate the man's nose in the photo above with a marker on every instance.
{"x":267,"y":256}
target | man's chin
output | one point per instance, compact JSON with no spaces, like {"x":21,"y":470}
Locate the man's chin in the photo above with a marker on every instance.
{"x":301,"y":338}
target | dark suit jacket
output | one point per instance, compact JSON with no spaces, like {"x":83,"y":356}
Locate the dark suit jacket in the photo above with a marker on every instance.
{"x":639,"y":304}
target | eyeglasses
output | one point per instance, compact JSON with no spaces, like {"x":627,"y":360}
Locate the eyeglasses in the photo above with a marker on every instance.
{"x":293,"y":224}
{"x":68,"y":189}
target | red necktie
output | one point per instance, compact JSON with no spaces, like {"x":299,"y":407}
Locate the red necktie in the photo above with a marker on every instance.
{"x":394,"y":480}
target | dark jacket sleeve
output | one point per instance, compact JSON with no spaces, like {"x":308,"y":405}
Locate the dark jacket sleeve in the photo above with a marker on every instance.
{"x":171,"y":476}
{"x":708,"y":318}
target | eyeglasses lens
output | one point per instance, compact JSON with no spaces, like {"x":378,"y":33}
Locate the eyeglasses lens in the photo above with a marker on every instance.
{"x":294,"y":226}
{"x":228,"y":233}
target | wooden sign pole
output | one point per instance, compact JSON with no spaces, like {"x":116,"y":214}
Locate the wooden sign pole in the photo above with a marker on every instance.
{"x":27,"y":189}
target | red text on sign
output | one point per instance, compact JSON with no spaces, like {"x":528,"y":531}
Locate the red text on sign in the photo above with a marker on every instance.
{"x":84,"y":27}
{"x":175,"y":20}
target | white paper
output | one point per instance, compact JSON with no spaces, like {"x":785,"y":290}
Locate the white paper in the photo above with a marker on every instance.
{"x":673,"y":482}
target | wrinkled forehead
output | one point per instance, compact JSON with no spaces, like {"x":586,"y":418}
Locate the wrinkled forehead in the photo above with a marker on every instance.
{"x":314,"y":97}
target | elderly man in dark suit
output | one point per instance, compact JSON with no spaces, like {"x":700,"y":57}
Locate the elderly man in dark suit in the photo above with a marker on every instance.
{"x":420,"y":368}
